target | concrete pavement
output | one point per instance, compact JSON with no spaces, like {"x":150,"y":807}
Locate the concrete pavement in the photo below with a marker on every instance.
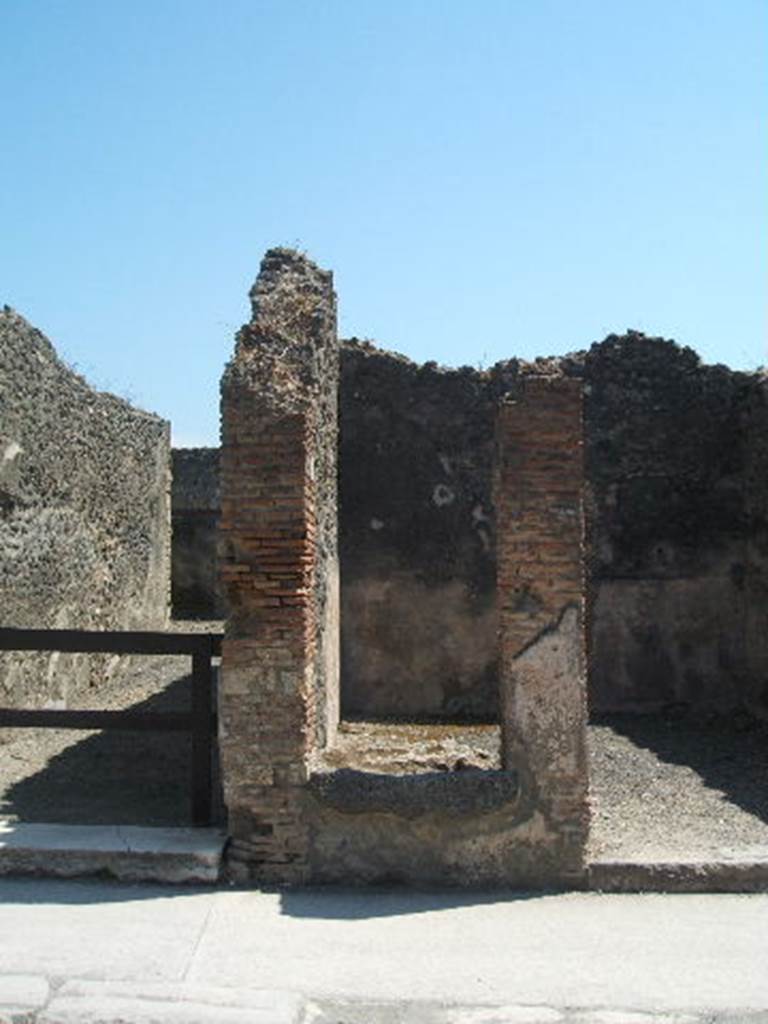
{"x":83,"y":951}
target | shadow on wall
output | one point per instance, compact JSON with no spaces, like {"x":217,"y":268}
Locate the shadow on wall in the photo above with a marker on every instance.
{"x":730,"y":754}
{"x":115,"y":777}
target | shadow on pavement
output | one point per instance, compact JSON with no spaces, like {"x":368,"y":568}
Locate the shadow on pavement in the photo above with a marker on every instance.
{"x":346,"y":904}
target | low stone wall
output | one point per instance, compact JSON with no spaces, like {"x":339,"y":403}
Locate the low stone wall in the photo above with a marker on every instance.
{"x":84,"y":515}
{"x":469,"y":828}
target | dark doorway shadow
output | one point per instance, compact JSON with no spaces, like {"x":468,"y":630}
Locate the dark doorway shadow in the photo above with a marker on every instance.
{"x":114,"y":777}
{"x":729,"y":753}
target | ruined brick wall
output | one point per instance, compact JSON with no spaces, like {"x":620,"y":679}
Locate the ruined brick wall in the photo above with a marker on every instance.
{"x":677,"y":549}
{"x":673,"y":450}
{"x":84,"y":514}
{"x":195,"y":506}
{"x":538,"y":491}
{"x":525,"y":824}
{"x":279,"y":683}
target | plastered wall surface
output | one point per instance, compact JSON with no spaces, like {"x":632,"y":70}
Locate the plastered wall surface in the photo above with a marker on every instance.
{"x":84,"y":514}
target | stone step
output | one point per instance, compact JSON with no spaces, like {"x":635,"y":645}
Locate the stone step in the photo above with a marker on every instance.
{"x":130,"y":853}
{"x":747,"y":872}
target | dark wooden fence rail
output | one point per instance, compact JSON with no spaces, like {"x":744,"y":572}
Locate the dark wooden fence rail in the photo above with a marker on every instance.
{"x":200,"y":720}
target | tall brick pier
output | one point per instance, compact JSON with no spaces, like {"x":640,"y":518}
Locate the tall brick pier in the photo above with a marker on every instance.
{"x":539,"y":498}
{"x":279,"y":681}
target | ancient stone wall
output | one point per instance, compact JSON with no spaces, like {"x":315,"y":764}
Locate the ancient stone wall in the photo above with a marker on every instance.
{"x":755,"y":586}
{"x":677,"y":550}
{"x":195,"y":507}
{"x":669,"y":450}
{"x":674,"y":451}
{"x":416,"y":537}
{"x":525,"y":824}
{"x":84,"y":514}
{"x":296,"y":812}
{"x":279,"y":682}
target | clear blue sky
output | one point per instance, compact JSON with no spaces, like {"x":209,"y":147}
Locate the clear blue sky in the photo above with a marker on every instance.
{"x":486,"y":178}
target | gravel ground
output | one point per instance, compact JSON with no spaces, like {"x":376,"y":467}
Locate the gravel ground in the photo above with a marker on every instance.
{"x":670,"y":787}
{"x":663,"y":786}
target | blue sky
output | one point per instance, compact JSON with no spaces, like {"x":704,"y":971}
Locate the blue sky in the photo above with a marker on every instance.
{"x":485,"y":179}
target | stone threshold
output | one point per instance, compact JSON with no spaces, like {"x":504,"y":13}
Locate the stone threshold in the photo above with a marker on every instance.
{"x":745,"y":874}
{"x":133,"y":853}
{"x":130,"y":853}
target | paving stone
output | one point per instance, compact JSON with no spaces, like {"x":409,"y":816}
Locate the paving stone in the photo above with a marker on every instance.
{"x":127,"y":852}
{"x":21,"y":993}
{"x":90,"y":1002}
{"x":500,"y":1015}
{"x":633,"y":1017}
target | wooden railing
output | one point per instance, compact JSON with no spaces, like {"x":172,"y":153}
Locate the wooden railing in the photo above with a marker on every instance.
{"x":200,"y":720}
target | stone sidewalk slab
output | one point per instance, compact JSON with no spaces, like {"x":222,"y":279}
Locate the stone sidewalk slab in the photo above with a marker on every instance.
{"x":511,"y":1013}
{"x":386,"y":956}
{"x":21,"y":994}
{"x":126,"y":852}
{"x":746,"y":872}
{"x":95,"y":1002}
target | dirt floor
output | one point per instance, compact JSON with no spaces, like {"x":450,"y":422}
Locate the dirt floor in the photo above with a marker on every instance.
{"x":669,"y":786}
{"x":663,"y":786}
{"x":114,"y":777}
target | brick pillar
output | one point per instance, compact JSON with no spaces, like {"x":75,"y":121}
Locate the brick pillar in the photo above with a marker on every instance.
{"x":539,"y":484}
{"x":279,"y":678}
